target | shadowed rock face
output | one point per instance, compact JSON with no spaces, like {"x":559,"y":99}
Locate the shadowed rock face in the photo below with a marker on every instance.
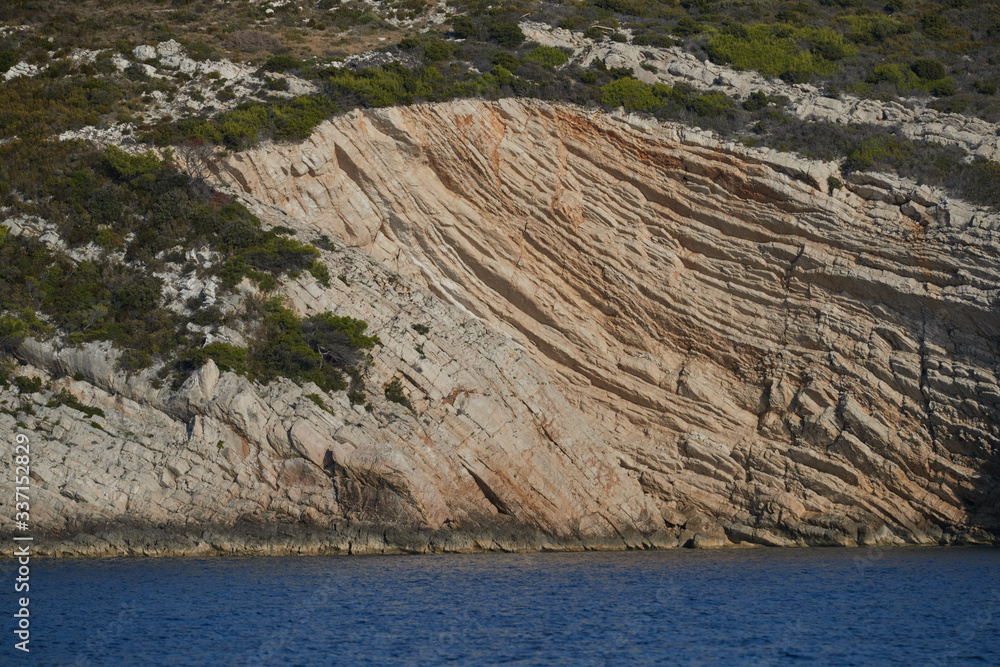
{"x":785,"y":364}
{"x":638,"y":337}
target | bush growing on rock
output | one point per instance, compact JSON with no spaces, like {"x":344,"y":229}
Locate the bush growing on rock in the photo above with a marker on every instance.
{"x":318,"y":349}
{"x":505,"y":34}
{"x":71,"y":401}
{"x":338,"y":339}
{"x":547,"y":56}
{"x":630,"y":93}
{"x":226,"y":356}
{"x":13,"y":331}
{"x":28,"y":385}
{"x":394,"y":393}
{"x":132,"y":361}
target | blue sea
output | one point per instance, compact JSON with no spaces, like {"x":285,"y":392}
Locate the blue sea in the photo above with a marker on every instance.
{"x":732,"y":607}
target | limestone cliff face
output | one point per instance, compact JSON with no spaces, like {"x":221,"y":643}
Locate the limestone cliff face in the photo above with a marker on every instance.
{"x":792,"y":365}
{"x":638,"y":337}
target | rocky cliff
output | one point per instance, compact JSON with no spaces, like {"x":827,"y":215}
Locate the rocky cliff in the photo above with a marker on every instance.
{"x":635,"y":336}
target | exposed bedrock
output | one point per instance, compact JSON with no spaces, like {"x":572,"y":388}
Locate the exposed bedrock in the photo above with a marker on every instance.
{"x":638,"y":336}
{"x":758,"y":357}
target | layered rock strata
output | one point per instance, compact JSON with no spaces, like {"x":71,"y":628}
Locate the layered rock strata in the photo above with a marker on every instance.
{"x":638,"y":336}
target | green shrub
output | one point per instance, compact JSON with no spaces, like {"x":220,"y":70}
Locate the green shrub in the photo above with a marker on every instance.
{"x":503,"y":75}
{"x":985,"y":87}
{"x":13,"y":331}
{"x":956,"y":104}
{"x":775,"y":50}
{"x":463,"y":27}
{"x":630,"y":93}
{"x":275,"y":84}
{"x":136,"y":72}
{"x":71,"y":401}
{"x":338,"y":339}
{"x":547,"y":56}
{"x":507,"y":60}
{"x":317,"y":349}
{"x":320,"y":272}
{"x":436,"y":51}
{"x":711,"y":104}
{"x":140,"y":170}
{"x":506,"y":34}
{"x":207,"y":316}
{"x":421,"y":329}
{"x":893,"y":74}
{"x":282,"y":63}
{"x":755,"y":101}
{"x":931,"y":70}
{"x":28,"y":385}
{"x":874,"y":29}
{"x":630,"y":7}
{"x":943,"y":88}
{"x":687,"y":26}
{"x":226,"y":356}
{"x":394,"y":393}
{"x":274,"y":256}
{"x":934,"y":26}
{"x":7,"y":60}
{"x":879,"y":152}
{"x":319,"y":402}
{"x":379,"y":87}
{"x":133,"y":361}
{"x":251,"y":123}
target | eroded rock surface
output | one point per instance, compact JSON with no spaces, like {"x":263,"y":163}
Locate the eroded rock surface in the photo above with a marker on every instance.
{"x":638,"y":336}
{"x":793,"y":365}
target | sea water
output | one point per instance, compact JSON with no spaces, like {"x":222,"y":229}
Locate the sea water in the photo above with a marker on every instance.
{"x":903,"y":606}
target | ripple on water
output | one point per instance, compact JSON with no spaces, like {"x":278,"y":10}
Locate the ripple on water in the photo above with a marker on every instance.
{"x":753,"y":607}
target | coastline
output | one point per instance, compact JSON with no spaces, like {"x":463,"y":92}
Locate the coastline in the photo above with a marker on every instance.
{"x":362,"y":539}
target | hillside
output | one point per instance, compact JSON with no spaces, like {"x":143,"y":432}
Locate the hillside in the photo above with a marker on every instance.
{"x":281,"y":302}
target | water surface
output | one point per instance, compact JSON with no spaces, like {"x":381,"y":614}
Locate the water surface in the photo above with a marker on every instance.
{"x":738,"y":607}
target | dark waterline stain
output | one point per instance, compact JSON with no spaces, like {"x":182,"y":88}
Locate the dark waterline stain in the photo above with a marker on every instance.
{"x":744,"y":607}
